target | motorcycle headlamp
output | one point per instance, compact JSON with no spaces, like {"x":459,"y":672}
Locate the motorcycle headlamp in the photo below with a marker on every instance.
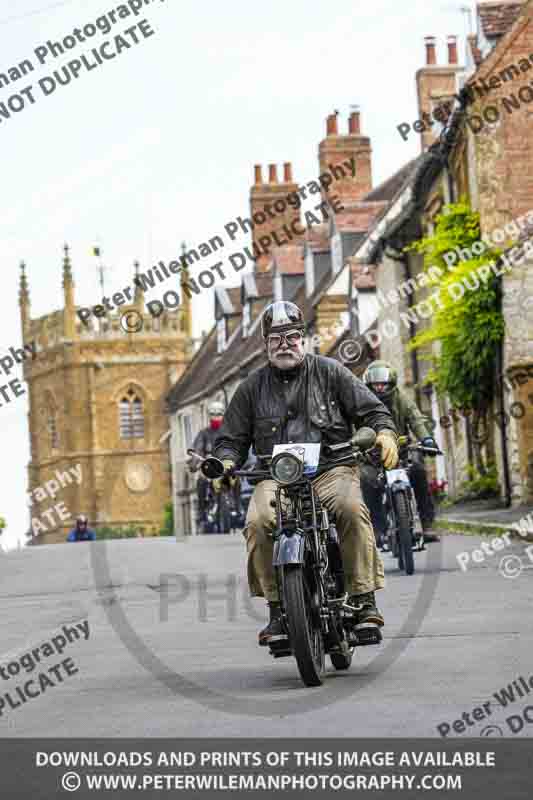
{"x":286,"y":468}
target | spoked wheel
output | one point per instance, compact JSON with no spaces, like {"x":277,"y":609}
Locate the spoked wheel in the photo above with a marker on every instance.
{"x":405,"y":543}
{"x":304,"y":630}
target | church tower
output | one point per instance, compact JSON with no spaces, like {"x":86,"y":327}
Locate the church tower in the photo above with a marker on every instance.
{"x":97,"y":417}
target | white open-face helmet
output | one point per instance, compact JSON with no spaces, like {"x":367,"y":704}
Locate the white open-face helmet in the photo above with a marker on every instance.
{"x":215,"y":409}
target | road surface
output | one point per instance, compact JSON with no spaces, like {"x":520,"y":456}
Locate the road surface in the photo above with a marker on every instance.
{"x":172,"y":646}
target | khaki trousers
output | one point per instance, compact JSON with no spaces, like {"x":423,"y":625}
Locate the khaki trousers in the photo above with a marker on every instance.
{"x":339,"y":491}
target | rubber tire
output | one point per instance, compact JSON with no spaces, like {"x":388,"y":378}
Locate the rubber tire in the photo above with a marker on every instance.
{"x":341,"y":660}
{"x":406,"y":559}
{"x":298,"y":620}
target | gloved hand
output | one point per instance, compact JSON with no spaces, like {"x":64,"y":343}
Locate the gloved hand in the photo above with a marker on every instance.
{"x":429,"y":441}
{"x":389,"y":448}
{"x":217,"y":482}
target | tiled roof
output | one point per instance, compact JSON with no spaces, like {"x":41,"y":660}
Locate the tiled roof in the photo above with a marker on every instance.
{"x":393,"y":188}
{"x":389,"y":188}
{"x":497,"y":18}
{"x":357,"y":217}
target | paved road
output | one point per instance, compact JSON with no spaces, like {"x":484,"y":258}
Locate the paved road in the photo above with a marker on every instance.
{"x":176,"y":656}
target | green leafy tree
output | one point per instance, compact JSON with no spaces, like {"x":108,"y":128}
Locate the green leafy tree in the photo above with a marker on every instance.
{"x":2,"y":523}
{"x":168,"y":524}
{"x":468,"y":328}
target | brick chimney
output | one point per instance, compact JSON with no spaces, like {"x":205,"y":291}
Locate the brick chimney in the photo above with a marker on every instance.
{"x":337,"y":149}
{"x":436,"y":85}
{"x":452,"y":50}
{"x":270,"y":212}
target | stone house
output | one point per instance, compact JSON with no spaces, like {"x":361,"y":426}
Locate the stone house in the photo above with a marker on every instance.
{"x":484,"y":153}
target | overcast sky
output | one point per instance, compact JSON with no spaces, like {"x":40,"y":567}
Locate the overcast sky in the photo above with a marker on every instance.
{"x":158,"y":144}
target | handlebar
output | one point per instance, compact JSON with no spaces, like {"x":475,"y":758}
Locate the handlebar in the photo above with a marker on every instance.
{"x":429,"y":451}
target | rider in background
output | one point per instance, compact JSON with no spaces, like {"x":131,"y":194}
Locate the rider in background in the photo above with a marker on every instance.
{"x":82,"y":532}
{"x":382,"y":379}
{"x":203,"y":445}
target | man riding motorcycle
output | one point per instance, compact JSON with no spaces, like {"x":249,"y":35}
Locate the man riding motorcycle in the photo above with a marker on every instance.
{"x":82,"y":532}
{"x":300,"y":397}
{"x":203,"y":445}
{"x":382,"y":379}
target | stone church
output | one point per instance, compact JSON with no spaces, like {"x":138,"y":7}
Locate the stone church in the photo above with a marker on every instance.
{"x":96,"y":399}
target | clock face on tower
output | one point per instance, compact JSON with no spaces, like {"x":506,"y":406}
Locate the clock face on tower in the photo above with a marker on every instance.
{"x":138,"y":477}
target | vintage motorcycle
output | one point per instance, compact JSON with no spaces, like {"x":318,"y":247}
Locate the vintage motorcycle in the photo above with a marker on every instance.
{"x":404,"y":529}
{"x":222,"y":512}
{"x":308,"y":564}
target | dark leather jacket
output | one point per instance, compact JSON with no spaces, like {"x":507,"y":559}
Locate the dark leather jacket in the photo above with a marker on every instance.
{"x":318,"y":401}
{"x":204,"y":441}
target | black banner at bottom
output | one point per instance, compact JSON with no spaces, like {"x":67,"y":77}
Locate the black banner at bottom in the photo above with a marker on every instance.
{"x":255,"y":768}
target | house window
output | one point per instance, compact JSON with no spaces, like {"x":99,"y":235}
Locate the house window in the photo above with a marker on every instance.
{"x":131,"y":416}
{"x":186,"y":431}
{"x":52,"y":430}
{"x":221,"y":335}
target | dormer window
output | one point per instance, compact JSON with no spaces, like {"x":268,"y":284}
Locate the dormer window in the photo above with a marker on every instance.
{"x":245,"y":320}
{"x":221,"y":335}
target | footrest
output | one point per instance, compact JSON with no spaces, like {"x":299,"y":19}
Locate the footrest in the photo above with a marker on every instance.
{"x":367,"y":634}
{"x":279,"y":646}
{"x":282,"y":639}
{"x":280,"y":653}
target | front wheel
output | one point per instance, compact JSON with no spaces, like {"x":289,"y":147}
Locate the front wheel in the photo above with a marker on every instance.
{"x":405,"y":542}
{"x":304,"y":629}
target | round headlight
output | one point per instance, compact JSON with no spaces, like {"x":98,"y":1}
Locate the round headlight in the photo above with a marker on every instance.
{"x":286,"y":468}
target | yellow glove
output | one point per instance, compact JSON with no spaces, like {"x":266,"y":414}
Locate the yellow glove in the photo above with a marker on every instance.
{"x":389,"y":448}
{"x":217,"y":482}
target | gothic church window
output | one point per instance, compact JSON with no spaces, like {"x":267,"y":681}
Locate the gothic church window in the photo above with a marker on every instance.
{"x":131,"y":412}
